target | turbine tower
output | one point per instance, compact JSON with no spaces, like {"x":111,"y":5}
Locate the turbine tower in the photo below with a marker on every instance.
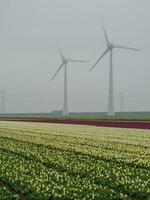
{"x":3,"y":101}
{"x":109,"y":49}
{"x":64,"y":64}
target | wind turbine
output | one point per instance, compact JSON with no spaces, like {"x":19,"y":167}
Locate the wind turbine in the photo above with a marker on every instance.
{"x":64,"y":64}
{"x":109,"y":49}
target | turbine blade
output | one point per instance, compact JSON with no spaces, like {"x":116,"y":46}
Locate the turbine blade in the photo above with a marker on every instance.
{"x":71,"y":60}
{"x":125,"y":47}
{"x":61,"y":54}
{"x":105,"y":52}
{"x":57,"y":71}
{"x":105,"y":34}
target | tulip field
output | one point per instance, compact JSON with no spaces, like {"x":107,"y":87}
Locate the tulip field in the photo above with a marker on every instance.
{"x":58,"y":161}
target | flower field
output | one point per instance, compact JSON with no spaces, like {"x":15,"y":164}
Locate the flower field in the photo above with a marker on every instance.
{"x":58,"y":161}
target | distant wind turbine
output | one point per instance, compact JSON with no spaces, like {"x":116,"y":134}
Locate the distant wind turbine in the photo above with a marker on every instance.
{"x":64,"y":64}
{"x":110,"y":47}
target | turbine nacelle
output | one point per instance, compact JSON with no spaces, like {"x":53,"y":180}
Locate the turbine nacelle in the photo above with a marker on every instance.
{"x":65,"y":60}
{"x":110,"y":46}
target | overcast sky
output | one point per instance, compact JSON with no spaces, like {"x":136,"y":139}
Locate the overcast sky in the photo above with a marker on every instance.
{"x":31,"y":31}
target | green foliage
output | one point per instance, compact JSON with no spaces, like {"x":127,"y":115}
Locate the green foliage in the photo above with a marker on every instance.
{"x":5,"y":194}
{"x":75,"y":162}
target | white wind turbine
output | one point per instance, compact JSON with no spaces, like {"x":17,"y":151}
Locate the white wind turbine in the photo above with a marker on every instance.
{"x":64,"y":64}
{"x":109,"y":49}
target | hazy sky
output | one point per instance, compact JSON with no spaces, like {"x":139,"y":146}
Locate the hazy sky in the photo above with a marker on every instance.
{"x":31,"y":31}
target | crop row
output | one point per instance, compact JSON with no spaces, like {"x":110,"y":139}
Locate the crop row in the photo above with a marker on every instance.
{"x":101,"y":171}
{"x":40,"y":182}
{"x":59,"y":162}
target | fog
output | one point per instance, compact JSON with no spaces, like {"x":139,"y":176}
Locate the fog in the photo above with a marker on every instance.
{"x":31,"y":32}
